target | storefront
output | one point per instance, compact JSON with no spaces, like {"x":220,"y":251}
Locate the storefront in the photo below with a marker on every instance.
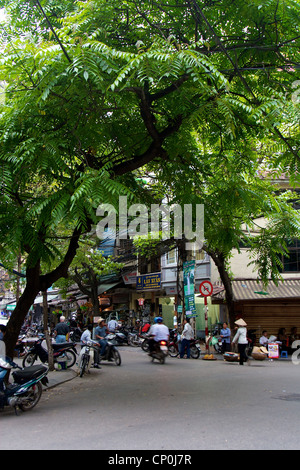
{"x":268,"y":308}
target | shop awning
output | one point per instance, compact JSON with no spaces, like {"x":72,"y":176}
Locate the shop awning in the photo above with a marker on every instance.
{"x":253,"y":290}
{"x":50,"y":297}
{"x":106,"y":287}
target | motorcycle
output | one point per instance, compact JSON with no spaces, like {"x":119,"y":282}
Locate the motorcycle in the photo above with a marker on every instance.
{"x":145,"y":343}
{"x":75,"y":334}
{"x":63,"y":353}
{"x":136,"y":340}
{"x":118,"y":338}
{"x":216,"y":341}
{"x":160,"y":352}
{"x":174,"y":348}
{"x":26,"y":390}
{"x":111,"y":352}
{"x":86,"y":357}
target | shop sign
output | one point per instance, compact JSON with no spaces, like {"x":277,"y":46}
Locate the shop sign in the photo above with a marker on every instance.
{"x":148,"y":282}
{"x":129,"y":278}
{"x":273,"y":350}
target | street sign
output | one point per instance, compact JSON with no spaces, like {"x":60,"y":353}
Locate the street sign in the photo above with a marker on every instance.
{"x":206,"y":288}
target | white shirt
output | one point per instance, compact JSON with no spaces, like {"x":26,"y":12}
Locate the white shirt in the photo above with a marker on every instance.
{"x":160,"y":332}
{"x":263,"y":340}
{"x":187,"y":332}
{"x":112,"y":325}
{"x":241,"y":336}
{"x":85,"y":337}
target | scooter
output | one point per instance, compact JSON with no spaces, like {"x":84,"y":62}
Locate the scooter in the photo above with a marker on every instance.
{"x":136,"y":339}
{"x":75,"y":334}
{"x":174,"y":348}
{"x":111,"y":352}
{"x":118,"y":338}
{"x":86,"y":357}
{"x":145,"y":342}
{"x":160,"y":352}
{"x":26,"y":390}
{"x":64,"y":353}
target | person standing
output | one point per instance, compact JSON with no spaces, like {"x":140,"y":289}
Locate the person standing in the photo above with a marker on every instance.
{"x":186,"y":336}
{"x":225,"y":335}
{"x":112,"y":325}
{"x":241,"y":339}
{"x":61,"y":330}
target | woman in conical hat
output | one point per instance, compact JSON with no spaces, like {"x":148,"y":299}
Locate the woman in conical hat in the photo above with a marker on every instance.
{"x":240,"y":322}
{"x":241,"y":339}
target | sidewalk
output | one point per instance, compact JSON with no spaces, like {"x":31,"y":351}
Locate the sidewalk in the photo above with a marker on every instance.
{"x":57,"y":377}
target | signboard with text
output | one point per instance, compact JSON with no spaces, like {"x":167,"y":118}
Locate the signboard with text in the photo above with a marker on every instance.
{"x":189,"y":288}
{"x":148,"y":282}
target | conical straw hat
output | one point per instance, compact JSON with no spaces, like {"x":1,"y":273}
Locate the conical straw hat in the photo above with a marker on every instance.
{"x":240,"y":322}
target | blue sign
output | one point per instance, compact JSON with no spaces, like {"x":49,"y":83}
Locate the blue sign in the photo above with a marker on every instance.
{"x":148,"y":282}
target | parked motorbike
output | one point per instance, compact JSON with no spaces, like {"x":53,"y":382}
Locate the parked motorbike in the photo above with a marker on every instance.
{"x":75,"y":334}
{"x":118,"y":338}
{"x":216,"y":341}
{"x":160,"y":352}
{"x":62,"y":353}
{"x":26,"y":390}
{"x":136,"y":339}
{"x":174,"y":348}
{"x":86,"y":357}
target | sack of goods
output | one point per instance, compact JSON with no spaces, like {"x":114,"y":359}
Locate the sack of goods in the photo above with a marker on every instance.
{"x":231,"y":357}
{"x":259,"y":353}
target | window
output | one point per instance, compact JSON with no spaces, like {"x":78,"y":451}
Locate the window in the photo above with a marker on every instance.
{"x":291,"y":263}
{"x":171,"y":257}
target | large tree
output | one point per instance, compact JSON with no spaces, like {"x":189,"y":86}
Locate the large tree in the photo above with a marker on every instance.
{"x":95,"y":90}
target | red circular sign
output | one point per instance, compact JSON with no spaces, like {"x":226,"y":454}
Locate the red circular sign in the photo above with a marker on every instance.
{"x":206,"y":288}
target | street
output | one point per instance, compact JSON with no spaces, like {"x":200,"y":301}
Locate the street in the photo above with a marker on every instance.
{"x":181,"y":405}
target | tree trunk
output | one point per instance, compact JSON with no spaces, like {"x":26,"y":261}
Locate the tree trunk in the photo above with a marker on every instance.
{"x":36,"y":283}
{"x":46,"y":332}
{"x":22,"y":308}
{"x":220,"y":262}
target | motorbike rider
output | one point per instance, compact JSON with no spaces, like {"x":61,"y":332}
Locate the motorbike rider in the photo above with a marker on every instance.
{"x":158,"y":332}
{"x":99,"y":334}
{"x":87,"y":336}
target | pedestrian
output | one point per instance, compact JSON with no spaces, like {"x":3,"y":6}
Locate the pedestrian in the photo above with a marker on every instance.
{"x":113,"y":325}
{"x":186,"y":336}
{"x":61,"y":330}
{"x":241,"y":339}
{"x":225,"y":334}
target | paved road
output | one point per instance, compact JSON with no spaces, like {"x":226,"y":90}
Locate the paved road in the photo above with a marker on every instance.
{"x":183,"y":404}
